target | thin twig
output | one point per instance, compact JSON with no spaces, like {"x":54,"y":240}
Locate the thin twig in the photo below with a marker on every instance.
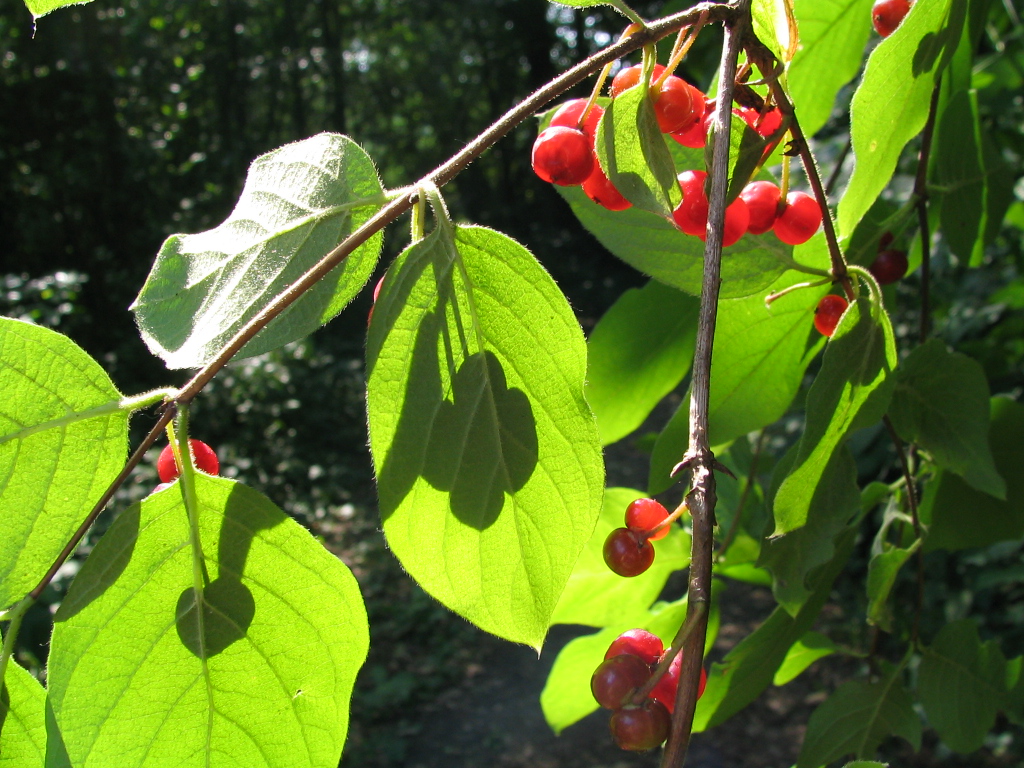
{"x":834,"y":177}
{"x":738,"y":517}
{"x":908,"y":478}
{"x":921,"y":193}
{"x":699,"y":458}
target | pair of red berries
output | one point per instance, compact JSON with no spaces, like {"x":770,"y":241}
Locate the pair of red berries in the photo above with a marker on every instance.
{"x":168,"y":469}
{"x":758,"y":209}
{"x":628,"y":665}
{"x":886,"y":15}
{"x":628,"y":551}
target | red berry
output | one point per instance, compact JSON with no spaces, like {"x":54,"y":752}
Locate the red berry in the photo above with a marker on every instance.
{"x":886,"y":15}
{"x":644,"y":515}
{"x":206,"y":460}
{"x":889,"y":266}
{"x":563,"y":156}
{"x":765,"y":124}
{"x":737,"y":220}
{"x":828,"y":312}
{"x":762,"y":199}
{"x":630,"y":76}
{"x":626,"y":554}
{"x":599,"y":189}
{"x":696,"y":136}
{"x":640,"y":728}
{"x":665,"y":689}
{"x":615,"y":679}
{"x":568,"y":115}
{"x":799,"y":219}
{"x":639,"y":643}
{"x":674,"y":107}
{"x":691,"y":215}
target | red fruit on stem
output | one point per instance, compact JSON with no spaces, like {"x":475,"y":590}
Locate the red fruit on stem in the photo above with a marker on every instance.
{"x":626,"y":554}
{"x":696,"y":136}
{"x":563,"y":156}
{"x":639,"y":643}
{"x":640,"y":728}
{"x":762,"y":199}
{"x":206,"y":460}
{"x":674,"y":107}
{"x":600,"y":189}
{"x":765,"y":124}
{"x":665,"y":689}
{"x":568,"y":115}
{"x":737,"y":220}
{"x":799,"y":219}
{"x":886,"y":15}
{"x":630,"y":76}
{"x":691,"y":215}
{"x":828,"y":312}
{"x":889,"y":266}
{"x":616,"y":678}
{"x":644,"y":515}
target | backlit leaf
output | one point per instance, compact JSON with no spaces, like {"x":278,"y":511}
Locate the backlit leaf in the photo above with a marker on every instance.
{"x":882,"y":572}
{"x":40,"y":8}
{"x":804,"y":652}
{"x":22,"y":723}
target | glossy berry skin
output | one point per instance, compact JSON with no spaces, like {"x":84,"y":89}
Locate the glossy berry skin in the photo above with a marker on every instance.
{"x":765,"y":124}
{"x":640,"y":728}
{"x":889,"y":266}
{"x":674,"y":107}
{"x":644,"y":515}
{"x":737,"y":220}
{"x":637,"y":642}
{"x":762,"y":199}
{"x":696,"y":136}
{"x":799,"y":219}
{"x":616,"y":678}
{"x":630,"y":76}
{"x":206,"y":460}
{"x":600,"y":189}
{"x":568,"y":115}
{"x":626,"y":554}
{"x":563,"y":156}
{"x":828,"y":312}
{"x":886,"y":15}
{"x":691,"y":215}
{"x":665,"y":689}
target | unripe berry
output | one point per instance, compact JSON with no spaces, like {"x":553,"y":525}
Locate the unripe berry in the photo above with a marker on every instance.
{"x":828,"y":312}
{"x":206,"y":460}
{"x":799,"y":219}
{"x":563,"y":156}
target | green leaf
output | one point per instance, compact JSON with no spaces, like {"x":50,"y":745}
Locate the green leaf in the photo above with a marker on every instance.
{"x":851,"y":391}
{"x":794,"y":557}
{"x":891,"y":104}
{"x":63,"y":439}
{"x":746,"y":148}
{"x":775,"y":26}
{"x":657,"y":248}
{"x":759,"y":359}
{"x":298,"y":203}
{"x":961,"y":684}
{"x":260,"y":676}
{"x":804,"y":652}
{"x":637,"y":353}
{"x":488,"y":460}
{"x":832,"y":39}
{"x":40,"y":8}
{"x":941,"y":403}
{"x":632,"y":151}
{"x":595,"y":596}
{"x":750,"y":667}
{"x":882,"y":571}
{"x":22,"y":723}
{"x":857,"y":717}
{"x":958,"y":516}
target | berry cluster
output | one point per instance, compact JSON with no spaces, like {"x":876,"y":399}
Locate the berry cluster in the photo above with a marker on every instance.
{"x":168,"y":469}
{"x":886,"y":15}
{"x":564,"y":154}
{"x":628,"y":551}
{"x":628,"y":666}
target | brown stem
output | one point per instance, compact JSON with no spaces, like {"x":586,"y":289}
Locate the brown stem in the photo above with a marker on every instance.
{"x":921,"y":193}
{"x":738,"y":517}
{"x":834,"y":176}
{"x":698,"y":457}
{"x":908,"y":478}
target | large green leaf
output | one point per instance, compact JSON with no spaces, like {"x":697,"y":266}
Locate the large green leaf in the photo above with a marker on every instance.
{"x":22,"y":722}
{"x":633,"y":153}
{"x":832,"y":39}
{"x":595,"y":596}
{"x":299,"y":201}
{"x":959,"y":516}
{"x":857,"y":717}
{"x":40,"y":8}
{"x":891,"y":104}
{"x":851,"y":391}
{"x":63,"y":439}
{"x":940,"y":402}
{"x":774,"y":25}
{"x":260,"y":675}
{"x":882,"y":572}
{"x":488,"y":460}
{"x":962,"y":683}
{"x":638,"y":352}
{"x":750,"y":667}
